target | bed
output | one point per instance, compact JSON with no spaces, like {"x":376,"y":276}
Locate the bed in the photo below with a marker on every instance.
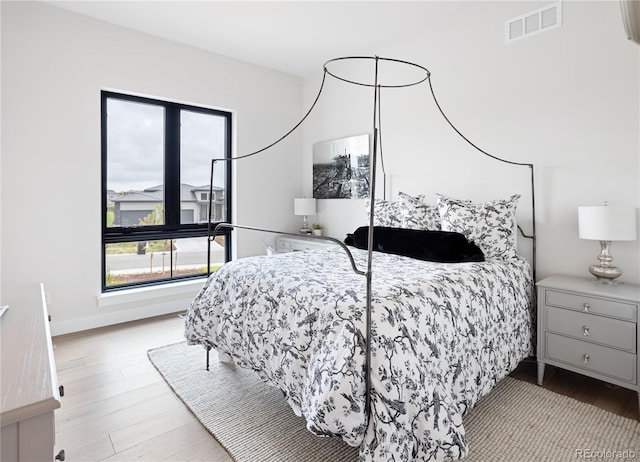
{"x":391,"y":362}
{"x":443,"y":335}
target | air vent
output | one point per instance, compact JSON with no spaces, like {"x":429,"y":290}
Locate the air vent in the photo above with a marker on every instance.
{"x":534,"y":22}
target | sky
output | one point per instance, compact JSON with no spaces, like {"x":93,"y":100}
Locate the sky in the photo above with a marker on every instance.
{"x":326,"y":151}
{"x":135,"y":139}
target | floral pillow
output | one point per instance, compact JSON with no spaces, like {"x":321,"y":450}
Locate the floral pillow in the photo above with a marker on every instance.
{"x":387,"y":213}
{"x":491,"y":225}
{"x":418,"y":215}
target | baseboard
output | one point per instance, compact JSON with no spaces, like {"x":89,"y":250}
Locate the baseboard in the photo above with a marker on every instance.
{"x":114,"y":317}
{"x":132,"y":305}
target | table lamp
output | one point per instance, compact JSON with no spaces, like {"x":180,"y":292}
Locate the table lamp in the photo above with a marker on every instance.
{"x":304,"y":207}
{"x":605,"y":224}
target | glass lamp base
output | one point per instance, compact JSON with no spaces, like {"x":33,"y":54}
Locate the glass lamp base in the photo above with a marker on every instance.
{"x":605,"y":274}
{"x":305,"y":229}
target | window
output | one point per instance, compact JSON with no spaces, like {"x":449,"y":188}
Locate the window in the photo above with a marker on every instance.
{"x":156,"y":158}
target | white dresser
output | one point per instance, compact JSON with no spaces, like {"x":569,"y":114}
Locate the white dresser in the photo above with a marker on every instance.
{"x":293,"y":244}
{"x":28,"y":385}
{"x":589,"y":328}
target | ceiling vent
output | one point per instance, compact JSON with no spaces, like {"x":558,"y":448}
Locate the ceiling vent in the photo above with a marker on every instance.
{"x":540,"y":20}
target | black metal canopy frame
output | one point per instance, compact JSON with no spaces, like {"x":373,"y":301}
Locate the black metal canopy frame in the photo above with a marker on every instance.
{"x":376,"y":85}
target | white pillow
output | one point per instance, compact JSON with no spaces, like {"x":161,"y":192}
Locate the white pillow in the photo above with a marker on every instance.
{"x":491,"y":225}
{"x":418,"y":215}
{"x":387,"y":213}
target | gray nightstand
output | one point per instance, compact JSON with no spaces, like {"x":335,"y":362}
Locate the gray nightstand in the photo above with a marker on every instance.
{"x":291,"y":244}
{"x":589,"y":328}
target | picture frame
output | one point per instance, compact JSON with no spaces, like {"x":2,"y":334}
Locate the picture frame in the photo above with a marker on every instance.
{"x":341,"y":168}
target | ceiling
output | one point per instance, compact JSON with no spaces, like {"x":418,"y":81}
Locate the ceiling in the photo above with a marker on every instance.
{"x":295,"y":37}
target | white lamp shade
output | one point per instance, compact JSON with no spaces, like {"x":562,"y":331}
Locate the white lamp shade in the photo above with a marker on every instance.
{"x":304,"y":206}
{"x":607,"y":223}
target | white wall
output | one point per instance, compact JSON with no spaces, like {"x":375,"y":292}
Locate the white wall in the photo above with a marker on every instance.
{"x":0,"y":155}
{"x":54,"y":64}
{"x":565,"y":100}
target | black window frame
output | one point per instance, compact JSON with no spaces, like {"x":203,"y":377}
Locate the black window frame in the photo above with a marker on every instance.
{"x":171,"y":229}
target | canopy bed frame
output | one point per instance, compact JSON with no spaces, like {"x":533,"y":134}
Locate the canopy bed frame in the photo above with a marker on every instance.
{"x":367,"y":272}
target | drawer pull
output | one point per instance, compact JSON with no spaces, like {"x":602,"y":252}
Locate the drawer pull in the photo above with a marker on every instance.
{"x":61,"y":455}
{"x":586,"y":307}
{"x":586,"y":358}
{"x":61,"y":390}
{"x":585,"y":331}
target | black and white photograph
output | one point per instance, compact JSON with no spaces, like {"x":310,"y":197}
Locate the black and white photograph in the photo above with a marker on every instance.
{"x":341,"y":168}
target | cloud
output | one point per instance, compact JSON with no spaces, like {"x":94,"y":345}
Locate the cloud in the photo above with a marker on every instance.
{"x":135,"y":146}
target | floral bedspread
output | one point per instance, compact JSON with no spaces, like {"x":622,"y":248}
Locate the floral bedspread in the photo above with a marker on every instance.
{"x":443,"y":336}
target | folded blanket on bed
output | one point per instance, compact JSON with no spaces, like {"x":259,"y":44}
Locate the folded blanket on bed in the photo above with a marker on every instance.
{"x":438,"y":246}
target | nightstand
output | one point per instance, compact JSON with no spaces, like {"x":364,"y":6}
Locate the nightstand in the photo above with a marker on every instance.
{"x":291,"y":244}
{"x":589,"y":328}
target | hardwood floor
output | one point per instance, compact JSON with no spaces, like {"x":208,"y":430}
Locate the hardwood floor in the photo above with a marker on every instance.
{"x":117,"y":407}
{"x":612,"y":398}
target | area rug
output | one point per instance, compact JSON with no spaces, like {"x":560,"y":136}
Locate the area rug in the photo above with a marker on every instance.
{"x":516,"y":421}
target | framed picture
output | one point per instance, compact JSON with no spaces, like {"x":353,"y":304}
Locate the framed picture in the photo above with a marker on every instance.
{"x":341,"y":168}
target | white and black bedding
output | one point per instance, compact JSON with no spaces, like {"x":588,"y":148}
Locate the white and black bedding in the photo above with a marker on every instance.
{"x":443,"y":334}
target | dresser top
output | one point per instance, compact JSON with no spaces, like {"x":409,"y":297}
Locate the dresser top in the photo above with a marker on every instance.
{"x":621,"y":291}
{"x":27,"y":383}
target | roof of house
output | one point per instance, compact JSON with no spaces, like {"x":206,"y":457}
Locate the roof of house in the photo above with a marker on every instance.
{"x":155,"y":194}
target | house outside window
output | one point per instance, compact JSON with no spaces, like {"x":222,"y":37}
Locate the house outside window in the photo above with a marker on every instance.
{"x":156,"y":159}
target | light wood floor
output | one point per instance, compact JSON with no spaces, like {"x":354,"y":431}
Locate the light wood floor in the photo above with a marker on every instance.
{"x":612,"y":398}
{"x":118,"y":408}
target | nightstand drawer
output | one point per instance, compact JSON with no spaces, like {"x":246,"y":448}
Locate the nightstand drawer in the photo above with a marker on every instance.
{"x":283,"y":245}
{"x":592,"y":328}
{"x":292,"y":244}
{"x":588,"y":356}
{"x":621,"y":310}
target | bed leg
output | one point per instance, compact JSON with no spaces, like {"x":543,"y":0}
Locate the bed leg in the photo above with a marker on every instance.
{"x":222,"y":357}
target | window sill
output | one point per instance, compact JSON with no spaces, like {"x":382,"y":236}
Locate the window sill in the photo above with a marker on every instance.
{"x":138,"y":294}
